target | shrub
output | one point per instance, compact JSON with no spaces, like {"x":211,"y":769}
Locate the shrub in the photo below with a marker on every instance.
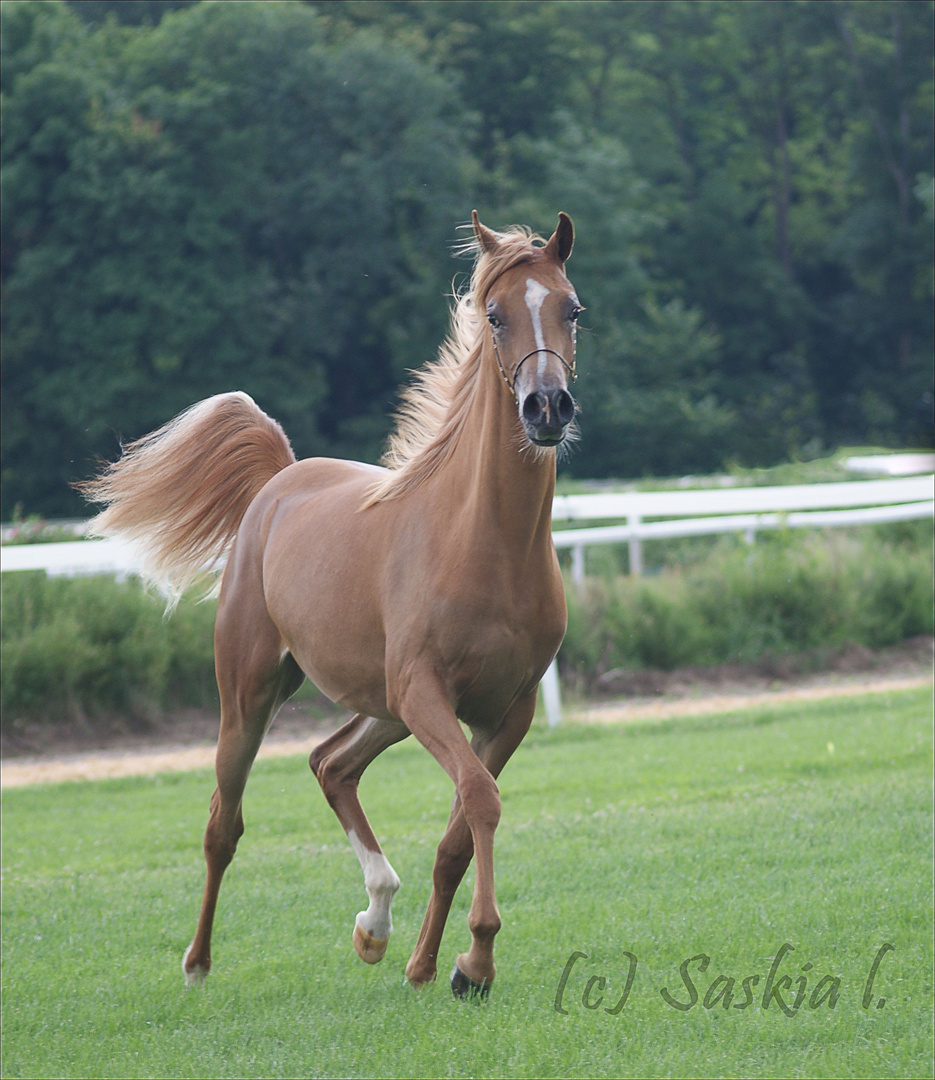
{"x":83,"y":647}
{"x":791,"y":592}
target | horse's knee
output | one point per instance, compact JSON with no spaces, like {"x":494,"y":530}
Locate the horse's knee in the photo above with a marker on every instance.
{"x":480,"y":800}
{"x":219,"y":852}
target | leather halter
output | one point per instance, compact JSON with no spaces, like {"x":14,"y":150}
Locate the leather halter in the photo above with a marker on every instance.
{"x":511,"y":386}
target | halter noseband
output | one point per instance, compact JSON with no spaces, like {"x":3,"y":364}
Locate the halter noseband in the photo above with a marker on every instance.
{"x":511,"y":386}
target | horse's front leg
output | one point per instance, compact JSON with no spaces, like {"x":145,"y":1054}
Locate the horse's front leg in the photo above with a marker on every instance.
{"x":474,"y":970}
{"x":451,"y":862}
{"x":338,"y":764}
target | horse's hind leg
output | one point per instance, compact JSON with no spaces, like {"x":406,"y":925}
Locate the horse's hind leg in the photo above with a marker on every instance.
{"x":338,"y":764}
{"x":253,"y":683}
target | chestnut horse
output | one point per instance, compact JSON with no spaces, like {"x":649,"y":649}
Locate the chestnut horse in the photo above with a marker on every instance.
{"x":415,"y":595}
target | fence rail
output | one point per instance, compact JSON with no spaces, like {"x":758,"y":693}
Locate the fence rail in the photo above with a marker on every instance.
{"x":72,"y":558}
{"x":682,"y":503}
{"x":744,"y":510}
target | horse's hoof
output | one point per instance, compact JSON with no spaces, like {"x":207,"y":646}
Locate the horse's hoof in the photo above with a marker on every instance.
{"x":197,"y":975}
{"x":370,"y":949}
{"x":465,"y":988}
{"x":419,"y":975}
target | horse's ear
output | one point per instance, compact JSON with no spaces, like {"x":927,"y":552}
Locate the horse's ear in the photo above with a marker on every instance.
{"x":487,"y":238}
{"x":562,"y":240}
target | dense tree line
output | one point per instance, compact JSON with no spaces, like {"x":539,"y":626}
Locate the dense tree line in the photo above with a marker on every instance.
{"x":206,"y":196}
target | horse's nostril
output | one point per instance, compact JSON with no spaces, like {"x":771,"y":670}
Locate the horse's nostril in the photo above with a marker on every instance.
{"x":563,"y":407}
{"x":534,"y":408}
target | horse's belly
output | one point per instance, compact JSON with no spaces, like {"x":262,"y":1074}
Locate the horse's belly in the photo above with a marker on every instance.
{"x":359,"y":688}
{"x":336,"y":637}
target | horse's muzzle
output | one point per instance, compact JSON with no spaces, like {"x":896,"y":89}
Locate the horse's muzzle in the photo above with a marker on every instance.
{"x":547,"y":414}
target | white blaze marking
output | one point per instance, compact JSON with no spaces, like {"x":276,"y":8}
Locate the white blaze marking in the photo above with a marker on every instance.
{"x":381,"y":882}
{"x":536,"y":292}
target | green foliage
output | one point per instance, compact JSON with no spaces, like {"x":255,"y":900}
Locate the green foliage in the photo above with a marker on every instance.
{"x":788,"y":594}
{"x":75,"y":649}
{"x":201,"y":196}
{"x":224,"y":200}
{"x":808,"y":823}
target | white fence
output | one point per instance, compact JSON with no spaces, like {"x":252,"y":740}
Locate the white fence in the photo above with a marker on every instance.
{"x":673,"y":513}
{"x":744,"y":510}
{"x":72,"y":558}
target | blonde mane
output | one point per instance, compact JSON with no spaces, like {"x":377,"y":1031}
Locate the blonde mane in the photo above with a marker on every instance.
{"x":431,"y":410}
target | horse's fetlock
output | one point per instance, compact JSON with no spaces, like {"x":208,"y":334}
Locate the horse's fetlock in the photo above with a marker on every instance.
{"x":195,"y":969}
{"x":485,"y":927}
{"x":383,"y":886}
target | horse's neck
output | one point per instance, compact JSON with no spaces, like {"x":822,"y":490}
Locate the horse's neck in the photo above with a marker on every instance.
{"x":503,"y":482}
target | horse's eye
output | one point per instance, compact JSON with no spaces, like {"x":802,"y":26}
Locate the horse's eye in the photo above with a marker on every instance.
{"x":494,"y":321}
{"x":574,"y":313}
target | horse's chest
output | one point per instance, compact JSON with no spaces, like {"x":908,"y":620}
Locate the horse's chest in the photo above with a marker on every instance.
{"x":492,"y":650}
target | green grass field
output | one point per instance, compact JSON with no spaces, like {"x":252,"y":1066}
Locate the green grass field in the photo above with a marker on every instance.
{"x":715,"y":841}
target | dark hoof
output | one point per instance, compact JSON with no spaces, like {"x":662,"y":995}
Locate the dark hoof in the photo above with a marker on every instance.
{"x":467,"y":989}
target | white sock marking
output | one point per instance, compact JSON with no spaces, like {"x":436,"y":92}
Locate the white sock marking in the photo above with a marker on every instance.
{"x":197,"y":976}
{"x":536,"y":292}
{"x":382,"y":882}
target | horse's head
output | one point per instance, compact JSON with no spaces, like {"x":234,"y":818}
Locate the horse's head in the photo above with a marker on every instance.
{"x":532,"y":310}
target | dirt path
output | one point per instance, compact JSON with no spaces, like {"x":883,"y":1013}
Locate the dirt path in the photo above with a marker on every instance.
{"x":104,"y":764}
{"x":617,"y":712}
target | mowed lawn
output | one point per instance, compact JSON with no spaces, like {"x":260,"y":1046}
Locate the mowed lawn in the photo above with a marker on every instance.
{"x":689,"y":854}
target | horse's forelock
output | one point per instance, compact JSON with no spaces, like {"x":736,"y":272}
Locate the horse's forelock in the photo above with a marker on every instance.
{"x":516,"y":245}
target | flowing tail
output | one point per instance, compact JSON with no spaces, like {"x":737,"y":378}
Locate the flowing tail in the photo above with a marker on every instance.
{"x":180,"y":493}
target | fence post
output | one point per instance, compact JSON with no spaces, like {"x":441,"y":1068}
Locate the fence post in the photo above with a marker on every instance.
{"x":636,"y":546}
{"x":551,"y":695}
{"x":577,"y":564}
